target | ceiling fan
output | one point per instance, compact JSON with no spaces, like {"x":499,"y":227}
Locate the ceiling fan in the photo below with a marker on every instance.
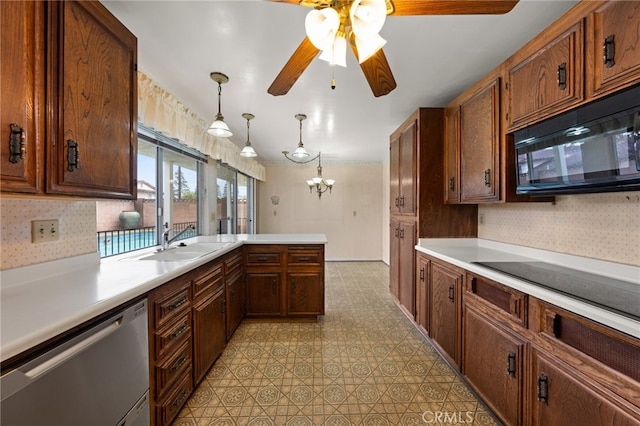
{"x":332,"y":24}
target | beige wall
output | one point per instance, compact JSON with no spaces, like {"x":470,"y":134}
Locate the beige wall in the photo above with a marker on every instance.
{"x":599,"y":226}
{"x":350,"y":217}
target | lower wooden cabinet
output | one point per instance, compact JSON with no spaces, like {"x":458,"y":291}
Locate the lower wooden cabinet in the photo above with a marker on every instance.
{"x":403,"y":239}
{"x":209,"y":332}
{"x":235,"y":291}
{"x":445,"y":308}
{"x":561,"y":395}
{"x":493,"y":363}
{"x":423,"y":274}
{"x":284,"y":280}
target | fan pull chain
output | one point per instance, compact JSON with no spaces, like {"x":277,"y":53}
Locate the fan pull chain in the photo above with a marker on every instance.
{"x":333,"y":77}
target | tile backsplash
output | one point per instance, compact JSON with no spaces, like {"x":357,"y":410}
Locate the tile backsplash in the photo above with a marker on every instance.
{"x":601,"y":226}
{"x":77,"y":230}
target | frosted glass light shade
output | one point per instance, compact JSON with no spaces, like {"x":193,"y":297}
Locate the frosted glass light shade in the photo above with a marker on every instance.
{"x":321,"y":27}
{"x":337,"y":53}
{"x":300,"y":152}
{"x":310,"y":183}
{"x":248,"y":151}
{"x":219,"y":128}
{"x":366,"y":48}
{"x":330,"y":182}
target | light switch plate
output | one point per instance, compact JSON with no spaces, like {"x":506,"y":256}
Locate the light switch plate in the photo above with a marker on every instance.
{"x":44,"y":230}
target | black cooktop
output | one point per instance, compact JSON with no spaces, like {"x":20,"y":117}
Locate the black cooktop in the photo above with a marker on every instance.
{"x":610,"y":293}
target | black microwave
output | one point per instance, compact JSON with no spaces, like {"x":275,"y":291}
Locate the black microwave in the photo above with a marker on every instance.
{"x":593,"y":148}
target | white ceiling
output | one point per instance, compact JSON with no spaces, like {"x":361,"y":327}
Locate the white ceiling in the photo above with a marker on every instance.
{"x":433,"y":59}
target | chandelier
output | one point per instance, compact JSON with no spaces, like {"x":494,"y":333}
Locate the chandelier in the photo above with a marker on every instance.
{"x":319,"y":183}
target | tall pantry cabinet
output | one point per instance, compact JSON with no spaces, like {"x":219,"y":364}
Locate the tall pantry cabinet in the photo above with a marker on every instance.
{"x":417,"y":208}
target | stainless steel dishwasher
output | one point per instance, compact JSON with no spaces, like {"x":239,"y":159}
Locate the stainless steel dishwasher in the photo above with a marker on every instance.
{"x":99,"y":377}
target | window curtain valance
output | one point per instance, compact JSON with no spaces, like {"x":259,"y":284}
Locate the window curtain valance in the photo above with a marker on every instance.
{"x":164,"y":113}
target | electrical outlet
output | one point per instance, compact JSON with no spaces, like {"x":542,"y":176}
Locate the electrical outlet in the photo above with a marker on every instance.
{"x":481,"y":219}
{"x":44,"y":230}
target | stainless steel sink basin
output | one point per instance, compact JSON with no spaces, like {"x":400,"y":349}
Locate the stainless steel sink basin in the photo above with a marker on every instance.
{"x":180,"y":253}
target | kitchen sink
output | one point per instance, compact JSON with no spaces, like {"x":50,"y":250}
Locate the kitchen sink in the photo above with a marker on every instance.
{"x":180,"y":253}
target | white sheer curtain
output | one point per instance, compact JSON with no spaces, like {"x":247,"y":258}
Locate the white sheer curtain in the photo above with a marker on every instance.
{"x":162,"y":112}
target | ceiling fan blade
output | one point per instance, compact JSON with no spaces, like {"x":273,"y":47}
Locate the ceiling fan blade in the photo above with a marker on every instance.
{"x":293,"y":69}
{"x":378,"y":73}
{"x":452,"y":7}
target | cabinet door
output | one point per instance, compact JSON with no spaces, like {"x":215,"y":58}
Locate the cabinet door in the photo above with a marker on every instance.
{"x":408,"y":169}
{"x":394,"y":175}
{"x":452,"y":155}
{"x":407,"y":267}
{"x":209,"y":333}
{"x":547,"y":81}
{"x":444,"y":327}
{"x":93,"y":143}
{"x":479,"y":146}
{"x":562,"y":396}
{"x":305,"y":293}
{"x":423,"y":272}
{"x":615,"y":47}
{"x":263,"y":293}
{"x":22,"y":86}
{"x":492,"y":361}
{"x":235,"y":303}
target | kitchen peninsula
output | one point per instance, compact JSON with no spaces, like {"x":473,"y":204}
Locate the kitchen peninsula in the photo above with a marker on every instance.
{"x":195,"y":297}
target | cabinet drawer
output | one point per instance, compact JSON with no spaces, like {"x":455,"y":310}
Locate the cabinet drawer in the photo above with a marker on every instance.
{"x":171,"y":336}
{"x":233,"y":264}
{"x":209,"y":280}
{"x":168,"y":371}
{"x":264,"y":258}
{"x":173,"y":303}
{"x":307,"y":257}
{"x":169,"y":408}
{"x":506,"y":299}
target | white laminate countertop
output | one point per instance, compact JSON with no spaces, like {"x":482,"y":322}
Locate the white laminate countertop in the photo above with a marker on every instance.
{"x":463,"y":251}
{"x":41,"y":301}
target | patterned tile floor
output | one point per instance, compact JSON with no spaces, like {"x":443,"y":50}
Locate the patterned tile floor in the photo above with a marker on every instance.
{"x":363,"y":363}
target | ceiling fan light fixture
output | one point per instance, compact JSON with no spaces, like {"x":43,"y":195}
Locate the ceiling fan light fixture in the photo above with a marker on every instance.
{"x":367,"y":17}
{"x":219,"y":127}
{"x":321,"y":27}
{"x":368,"y":47}
{"x":336,"y":54}
{"x":248,"y":150}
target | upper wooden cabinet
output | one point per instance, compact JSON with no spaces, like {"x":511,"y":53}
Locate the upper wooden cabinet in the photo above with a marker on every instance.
{"x":472,"y":145}
{"x":547,"y":80}
{"x":22,"y":102}
{"x":403,"y":172}
{"x":613,"y":53}
{"x":89,"y":95}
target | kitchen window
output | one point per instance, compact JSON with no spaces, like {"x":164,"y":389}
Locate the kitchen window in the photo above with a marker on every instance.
{"x":169,"y":178}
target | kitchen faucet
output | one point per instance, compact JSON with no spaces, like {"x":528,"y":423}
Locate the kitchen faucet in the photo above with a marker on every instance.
{"x":166,"y":241}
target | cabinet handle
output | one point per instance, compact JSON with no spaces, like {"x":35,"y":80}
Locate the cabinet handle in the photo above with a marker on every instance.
{"x":609,"y":51}
{"x":511,"y":364}
{"x":543,"y":388}
{"x":303,"y":259}
{"x":273,"y":286}
{"x":402,"y":201}
{"x":452,"y":184}
{"x":451,"y":293}
{"x":473,"y":285}
{"x":402,"y":233}
{"x":72,"y":155}
{"x":177,"y":333}
{"x":177,"y":304}
{"x":262,"y":258}
{"x":17,"y":147}
{"x":176,"y":365}
{"x":397,"y":232}
{"x":487,"y":177}
{"x":397,"y":202}
{"x":179,"y":399}
{"x":422,"y":274}
{"x":562,"y":76}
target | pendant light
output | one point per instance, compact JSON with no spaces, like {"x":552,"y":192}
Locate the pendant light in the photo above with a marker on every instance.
{"x":300,"y":151}
{"x":219,"y":127}
{"x":248,"y":150}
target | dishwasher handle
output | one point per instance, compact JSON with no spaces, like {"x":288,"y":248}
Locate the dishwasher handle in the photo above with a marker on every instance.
{"x":42,"y":368}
